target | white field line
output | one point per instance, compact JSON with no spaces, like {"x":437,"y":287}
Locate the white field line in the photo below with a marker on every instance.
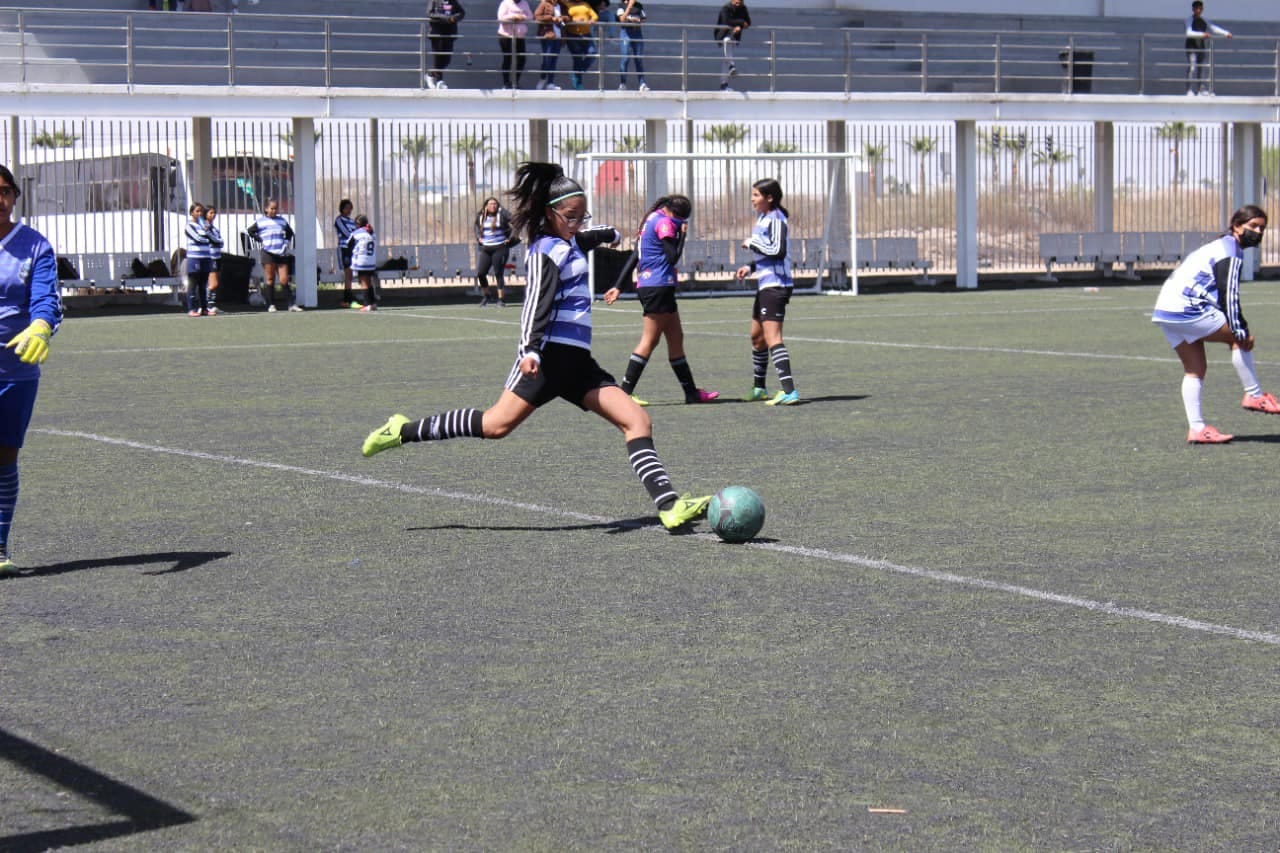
{"x":1103,"y":607}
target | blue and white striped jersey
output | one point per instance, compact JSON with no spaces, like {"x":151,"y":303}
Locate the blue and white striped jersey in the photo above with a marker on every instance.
{"x":273,"y":232}
{"x":198,"y":248}
{"x":557,"y":304}
{"x":494,"y":230}
{"x":769,"y":239}
{"x":363,"y":247}
{"x":215,"y":240}
{"x":344,"y":226}
{"x":1207,"y":279}
{"x":28,"y":291}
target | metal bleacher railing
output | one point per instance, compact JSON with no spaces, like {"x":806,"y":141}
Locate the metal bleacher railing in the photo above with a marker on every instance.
{"x":146,"y":48}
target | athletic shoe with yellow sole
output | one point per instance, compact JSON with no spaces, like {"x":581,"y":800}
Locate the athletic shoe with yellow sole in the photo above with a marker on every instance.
{"x":784,"y":398}
{"x":756,"y":394}
{"x":638,"y":401}
{"x":385,"y":437}
{"x":683,"y":511}
{"x":7,"y":566}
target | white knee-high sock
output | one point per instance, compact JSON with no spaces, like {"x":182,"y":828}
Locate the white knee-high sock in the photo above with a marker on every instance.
{"x":1191,"y":387}
{"x":1243,"y":363}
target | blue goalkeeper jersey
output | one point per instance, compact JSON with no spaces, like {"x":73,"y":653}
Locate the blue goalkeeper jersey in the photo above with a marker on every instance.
{"x":769,"y":243}
{"x":28,"y":291}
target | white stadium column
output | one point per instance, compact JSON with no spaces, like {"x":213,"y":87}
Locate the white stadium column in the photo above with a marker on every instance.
{"x":304,"y":209}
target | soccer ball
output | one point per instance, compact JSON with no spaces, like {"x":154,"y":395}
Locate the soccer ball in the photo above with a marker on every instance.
{"x":736,"y":513}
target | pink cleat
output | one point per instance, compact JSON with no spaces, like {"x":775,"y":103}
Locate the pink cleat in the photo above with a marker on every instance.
{"x":1207,"y":435}
{"x":702,"y":396}
{"x":1267,"y":404}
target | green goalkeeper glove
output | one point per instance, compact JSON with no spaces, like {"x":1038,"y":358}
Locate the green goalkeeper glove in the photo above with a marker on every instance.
{"x":31,"y":345}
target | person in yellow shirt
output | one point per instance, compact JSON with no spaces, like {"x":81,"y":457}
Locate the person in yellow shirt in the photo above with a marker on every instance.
{"x":578,"y":37}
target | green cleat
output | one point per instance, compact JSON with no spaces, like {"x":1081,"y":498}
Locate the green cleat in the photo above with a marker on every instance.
{"x":683,"y":511}
{"x":638,"y":401}
{"x":385,"y":437}
{"x":7,"y":566}
{"x":756,"y":394}
{"x":784,"y":399}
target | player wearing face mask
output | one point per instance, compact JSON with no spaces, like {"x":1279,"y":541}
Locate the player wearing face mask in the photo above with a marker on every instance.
{"x":1199,"y":303}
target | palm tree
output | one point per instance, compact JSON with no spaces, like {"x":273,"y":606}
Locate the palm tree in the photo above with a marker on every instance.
{"x":510,"y":159}
{"x":992,"y":144}
{"x":1018,"y":144}
{"x":1176,"y":132}
{"x":874,"y":155}
{"x":471,"y":149}
{"x":730,"y":136}
{"x":56,"y":139}
{"x":922,"y":147}
{"x":570,"y":147}
{"x":417,"y":149}
{"x":1051,"y":159}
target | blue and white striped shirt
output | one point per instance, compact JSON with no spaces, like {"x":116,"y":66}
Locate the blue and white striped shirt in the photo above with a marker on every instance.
{"x":215,"y":240}
{"x":557,"y":304}
{"x":768,"y":241}
{"x":1207,"y":280}
{"x":345,"y":226}
{"x":198,"y":246}
{"x":273,"y":232}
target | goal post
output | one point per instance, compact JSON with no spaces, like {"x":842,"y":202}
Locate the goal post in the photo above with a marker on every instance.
{"x":818,"y":191}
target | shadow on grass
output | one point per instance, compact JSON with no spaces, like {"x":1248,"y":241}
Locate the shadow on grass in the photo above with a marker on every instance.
{"x":136,"y":810}
{"x":1259,"y":439}
{"x":622,"y":525}
{"x":826,"y":398}
{"x":181,"y":561}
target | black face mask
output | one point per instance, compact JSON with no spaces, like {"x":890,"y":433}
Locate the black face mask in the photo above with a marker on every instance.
{"x":1249,"y":238}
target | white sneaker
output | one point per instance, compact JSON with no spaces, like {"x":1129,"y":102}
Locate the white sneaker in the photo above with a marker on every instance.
{"x":542,"y":84}
{"x":295,"y":307}
{"x":644,"y":87}
{"x":271,"y":309}
{"x":1191,"y":92}
{"x":430,"y":81}
{"x":442,"y":85}
{"x":622,"y":87}
{"x":552,"y":87}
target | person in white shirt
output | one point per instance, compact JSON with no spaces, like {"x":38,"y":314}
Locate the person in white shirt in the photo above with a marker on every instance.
{"x":1199,"y":30}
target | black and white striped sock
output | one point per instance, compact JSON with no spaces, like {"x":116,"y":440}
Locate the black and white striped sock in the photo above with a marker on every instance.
{"x":456,"y":423}
{"x":782,"y":364}
{"x":649,"y":468}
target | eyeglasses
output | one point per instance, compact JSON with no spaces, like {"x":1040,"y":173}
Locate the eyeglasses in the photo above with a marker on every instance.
{"x":9,"y":192}
{"x":573,"y":221}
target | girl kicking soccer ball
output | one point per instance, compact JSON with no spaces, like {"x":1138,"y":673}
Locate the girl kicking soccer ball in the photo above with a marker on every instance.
{"x":553,"y":356}
{"x":1199,"y":303}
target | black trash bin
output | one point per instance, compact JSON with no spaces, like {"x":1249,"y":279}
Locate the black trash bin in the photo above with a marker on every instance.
{"x":1077,"y":67}
{"x":233,"y":278}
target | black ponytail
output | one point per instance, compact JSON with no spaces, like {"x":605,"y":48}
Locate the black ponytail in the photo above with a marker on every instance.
{"x":772,"y":190}
{"x":538,"y":186}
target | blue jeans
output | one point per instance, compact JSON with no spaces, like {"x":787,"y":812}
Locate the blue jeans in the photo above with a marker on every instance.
{"x":580,"y":48}
{"x":550,"y":58}
{"x":632,"y":49}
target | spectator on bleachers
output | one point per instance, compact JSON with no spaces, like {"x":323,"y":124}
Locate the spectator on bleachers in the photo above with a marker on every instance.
{"x":734,"y":18}
{"x":1199,"y":30}
{"x":443,"y":17}
{"x":551,"y":16}
{"x":513,"y":16}
{"x":577,"y":37}
{"x":631,"y":18}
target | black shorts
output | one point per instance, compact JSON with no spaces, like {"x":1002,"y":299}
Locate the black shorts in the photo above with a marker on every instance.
{"x":567,"y":372}
{"x":657,"y":300}
{"x":344,"y":258}
{"x":771,"y":304}
{"x":274,"y":259}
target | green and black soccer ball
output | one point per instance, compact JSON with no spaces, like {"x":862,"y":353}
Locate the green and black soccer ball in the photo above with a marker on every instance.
{"x":736,"y":513}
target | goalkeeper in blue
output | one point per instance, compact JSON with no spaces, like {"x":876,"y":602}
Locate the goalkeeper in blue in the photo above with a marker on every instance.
{"x":30,"y":312}
{"x":553,"y":356}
